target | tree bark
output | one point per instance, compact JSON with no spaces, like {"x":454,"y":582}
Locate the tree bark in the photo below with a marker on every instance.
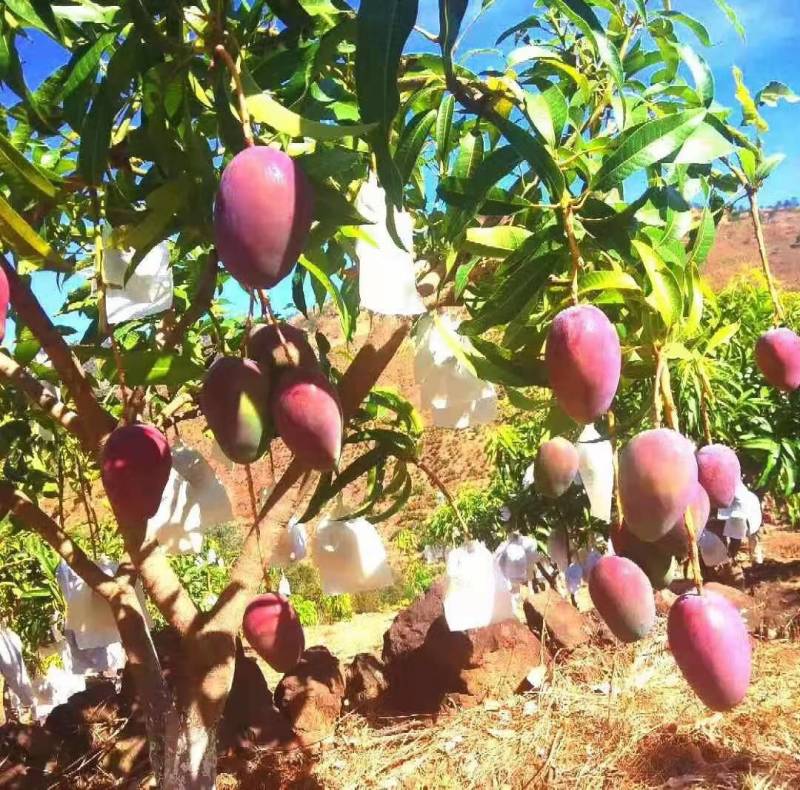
{"x":190,"y":753}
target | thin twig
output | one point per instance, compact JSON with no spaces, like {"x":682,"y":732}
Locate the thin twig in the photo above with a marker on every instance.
{"x":244,"y":115}
{"x":755,"y":214}
{"x":578,"y":263}
{"x":437,"y":482}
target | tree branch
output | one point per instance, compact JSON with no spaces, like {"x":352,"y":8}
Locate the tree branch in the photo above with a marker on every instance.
{"x":96,"y":420}
{"x":33,"y":389}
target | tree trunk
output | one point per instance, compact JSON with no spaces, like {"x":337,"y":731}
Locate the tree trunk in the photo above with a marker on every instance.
{"x":190,"y":754}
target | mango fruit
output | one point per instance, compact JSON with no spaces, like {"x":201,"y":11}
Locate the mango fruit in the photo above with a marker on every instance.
{"x":135,"y":465}
{"x":262,"y":216}
{"x":778,"y":358}
{"x":235,"y":401}
{"x":555,"y":467}
{"x":657,"y":476}
{"x":676,"y":541}
{"x":719,"y":472}
{"x":623,"y":597}
{"x":655,"y":562}
{"x":276,"y":347}
{"x":710,"y":644}
{"x":583,"y":361}
{"x":272,"y":628}
{"x":308,"y":417}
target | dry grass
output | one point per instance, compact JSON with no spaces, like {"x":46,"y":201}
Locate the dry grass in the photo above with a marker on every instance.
{"x":650,"y":731}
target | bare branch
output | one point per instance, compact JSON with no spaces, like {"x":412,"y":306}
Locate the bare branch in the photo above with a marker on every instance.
{"x":34,"y":390}
{"x":97,"y":421}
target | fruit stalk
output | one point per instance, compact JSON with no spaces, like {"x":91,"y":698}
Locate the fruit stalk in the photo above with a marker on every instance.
{"x":670,"y":410}
{"x":694,"y":551}
{"x":244,"y":116}
{"x":612,"y":432}
{"x":657,"y":388}
{"x":574,"y":249}
{"x":752,"y":196}
{"x":704,"y":415}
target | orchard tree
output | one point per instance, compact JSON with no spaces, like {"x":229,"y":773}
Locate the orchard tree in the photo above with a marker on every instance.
{"x":569,"y":190}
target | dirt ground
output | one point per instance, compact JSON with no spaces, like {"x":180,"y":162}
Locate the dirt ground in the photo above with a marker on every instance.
{"x":617,"y":717}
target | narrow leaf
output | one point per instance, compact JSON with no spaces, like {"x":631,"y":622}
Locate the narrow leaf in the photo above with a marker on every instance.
{"x":25,"y":241}
{"x":12,"y":160}
{"x":412,"y":142}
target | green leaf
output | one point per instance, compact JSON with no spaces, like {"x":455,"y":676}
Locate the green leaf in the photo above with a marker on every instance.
{"x":733,"y":17}
{"x":470,"y":155}
{"x":704,"y":237}
{"x":750,"y":113}
{"x":495,"y":202}
{"x":495,"y":242}
{"x":767,"y":166}
{"x":412,"y":142}
{"x":96,"y":137}
{"x":704,"y":146}
{"x":264,"y":109}
{"x":451,"y":15}
{"x":701,"y":73}
{"x":444,"y":125}
{"x":692,"y":24}
{"x":695,"y":290}
{"x":323,"y":279}
{"x":25,"y":241}
{"x":86,"y":65}
{"x":529,"y":52}
{"x":645,"y":145}
{"x":549,"y":112}
{"x":583,"y":16}
{"x":722,"y":336}
{"x":604,"y":280}
{"x":145,"y":367}
{"x":665,"y":297}
{"x":12,"y":160}
{"x":773,"y":92}
{"x":87,"y":11}
{"x":536,"y":153}
{"x":36,"y":14}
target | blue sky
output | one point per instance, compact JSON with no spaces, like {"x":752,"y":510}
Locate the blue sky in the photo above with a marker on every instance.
{"x":769,"y":52}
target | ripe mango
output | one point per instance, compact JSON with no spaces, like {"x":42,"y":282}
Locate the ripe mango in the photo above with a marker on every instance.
{"x":235,"y":401}
{"x":555,"y":467}
{"x":262,"y":216}
{"x":657,"y":476}
{"x":308,"y":417}
{"x":710,"y":643}
{"x":623,"y":597}
{"x":719,"y":472}
{"x":272,"y":628}
{"x":265,"y":346}
{"x":778,"y":358}
{"x":676,"y":542}
{"x":584,"y":361}
{"x":656,"y":563}
{"x":135,"y":466}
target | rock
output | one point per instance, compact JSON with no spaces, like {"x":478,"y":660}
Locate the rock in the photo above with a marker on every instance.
{"x":312,"y":694}
{"x":408,"y":630}
{"x":556,"y":621}
{"x":481,"y":662}
{"x":250,"y":718}
{"x":365,"y":682}
{"x":746,"y":604}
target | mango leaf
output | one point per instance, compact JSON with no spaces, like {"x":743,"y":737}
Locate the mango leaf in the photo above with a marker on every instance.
{"x":383,"y":26}
{"x":35,"y":13}
{"x":495,"y":202}
{"x":721,"y":336}
{"x":96,"y":137}
{"x":773,"y":92}
{"x":25,"y":241}
{"x":750,"y":113}
{"x":733,"y":17}
{"x":12,"y":160}
{"x":325,"y":281}
{"x":704,"y":146}
{"x":701,"y":73}
{"x":264,"y":109}
{"x":145,"y":367}
{"x":529,"y":52}
{"x":583,"y":16}
{"x":549,"y":112}
{"x":704,"y":236}
{"x":665,"y":297}
{"x":604,"y":280}
{"x":535,"y":152}
{"x":444,"y":125}
{"x":645,"y":145}
{"x":695,"y":290}
{"x":698,"y":28}
{"x":495,"y":242}
{"x":451,"y":14}
{"x":86,"y":64}
{"x":766,"y":167}
{"x":412,"y":142}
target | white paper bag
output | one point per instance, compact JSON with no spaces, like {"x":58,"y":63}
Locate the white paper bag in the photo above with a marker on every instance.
{"x":517,"y":558}
{"x":12,"y":667}
{"x":88,"y":615}
{"x":350,"y":557}
{"x":557,"y":548}
{"x":712,"y":549}
{"x":477,"y":593}
{"x":386,"y":278}
{"x":596,"y":470}
{"x":148,"y":290}
{"x":193,"y":502}
{"x":573,"y":577}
